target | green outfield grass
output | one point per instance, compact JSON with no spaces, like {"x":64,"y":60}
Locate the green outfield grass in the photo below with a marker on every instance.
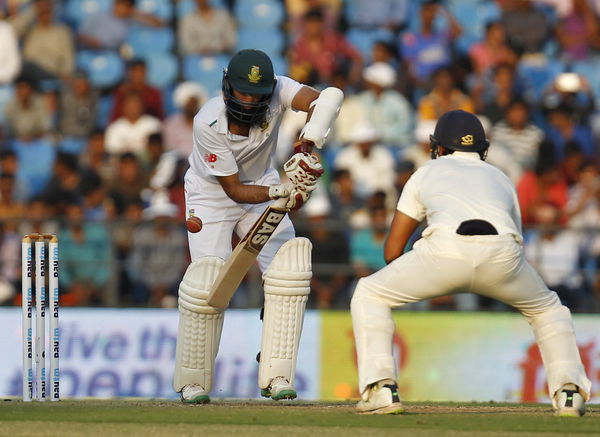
{"x":152,"y":418}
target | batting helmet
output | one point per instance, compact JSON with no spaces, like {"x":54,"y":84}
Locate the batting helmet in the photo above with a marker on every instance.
{"x":459,"y":130}
{"x":249,"y":72}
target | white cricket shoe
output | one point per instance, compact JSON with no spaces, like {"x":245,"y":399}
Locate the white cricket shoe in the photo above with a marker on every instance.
{"x":279,"y":388}
{"x":194,"y":394}
{"x":382,"y":398}
{"x":569,"y":401}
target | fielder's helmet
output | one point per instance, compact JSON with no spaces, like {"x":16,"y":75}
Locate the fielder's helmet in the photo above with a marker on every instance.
{"x":459,"y":130}
{"x":249,"y":72}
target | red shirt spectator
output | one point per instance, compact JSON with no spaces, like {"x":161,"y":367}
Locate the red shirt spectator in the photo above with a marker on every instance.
{"x":136,"y":84}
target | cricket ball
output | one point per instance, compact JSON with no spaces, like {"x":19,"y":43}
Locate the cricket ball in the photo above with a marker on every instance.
{"x":193,"y":224}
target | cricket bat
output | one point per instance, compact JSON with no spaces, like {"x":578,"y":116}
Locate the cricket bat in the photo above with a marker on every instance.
{"x":245,"y":253}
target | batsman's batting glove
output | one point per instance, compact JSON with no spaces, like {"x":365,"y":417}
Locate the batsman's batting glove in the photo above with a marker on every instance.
{"x":278,"y":191}
{"x":303,"y":170}
{"x":298,"y":197}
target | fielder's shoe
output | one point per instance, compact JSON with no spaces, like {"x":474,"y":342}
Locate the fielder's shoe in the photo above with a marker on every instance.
{"x":279,"y":388}
{"x":569,"y":401}
{"x":194,"y":394}
{"x":382,"y":398}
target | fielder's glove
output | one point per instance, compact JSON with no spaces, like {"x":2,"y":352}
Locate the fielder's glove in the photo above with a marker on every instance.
{"x":303,"y":170}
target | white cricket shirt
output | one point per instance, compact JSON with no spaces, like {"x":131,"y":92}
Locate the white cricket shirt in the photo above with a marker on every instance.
{"x":459,"y":187}
{"x":218,"y":152}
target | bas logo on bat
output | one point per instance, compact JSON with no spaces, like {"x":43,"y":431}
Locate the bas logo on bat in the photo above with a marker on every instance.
{"x":265,"y":228}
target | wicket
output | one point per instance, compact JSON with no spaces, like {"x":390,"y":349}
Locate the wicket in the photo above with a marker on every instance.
{"x":33,"y":249}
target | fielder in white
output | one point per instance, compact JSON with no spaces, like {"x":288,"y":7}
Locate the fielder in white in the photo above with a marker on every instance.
{"x":229,"y":184}
{"x":472,"y":244}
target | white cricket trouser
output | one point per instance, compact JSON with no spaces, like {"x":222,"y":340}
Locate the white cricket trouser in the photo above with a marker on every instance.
{"x":448,"y":263}
{"x":221,"y":217}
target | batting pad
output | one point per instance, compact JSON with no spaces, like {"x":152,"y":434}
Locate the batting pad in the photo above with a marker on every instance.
{"x":555,"y":336}
{"x":287,"y":285}
{"x":200,"y":326}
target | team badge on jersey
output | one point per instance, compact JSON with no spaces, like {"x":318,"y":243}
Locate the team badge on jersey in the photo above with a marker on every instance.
{"x":254,"y":75}
{"x":467,"y":140}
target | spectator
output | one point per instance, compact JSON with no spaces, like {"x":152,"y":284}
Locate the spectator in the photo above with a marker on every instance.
{"x":583,"y":208}
{"x":9,"y":165}
{"x":428,"y":49}
{"x":493,"y":97}
{"x":370,"y":164}
{"x":129,"y":182}
{"x":85,"y":259}
{"x":444,"y":97}
{"x":206,"y":31}
{"x":573,"y":92}
{"x":366,"y":245}
{"x":420,"y":152}
{"x":388,"y":14}
{"x":343,"y":198}
{"x":26,"y":115}
{"x":157,"y":259}
{"x":109,"y":30}
{"x":97,"y":159}
{"x":387,"y":110}
{"x":136,"y":83}
{"x":188,"y":98}
{"x":96,"y":205}
{"x":122,"y":237}
{"x":556,"y":254}
{"x":10,"y":56}
{"x":564,"y":128}
{"x":129,"y":133}
{"x":490,"y":52}
{"x":78,"y":107}
{"x":518,"y":136}
{"x":38,"y":219}
{"x":66,"y":184}
{"x":48,"y":45}
{"x":10,"y":263}
{"x":383,"y":51}
{"x":525,"y":23}
{"x":161,"y":165}
{"x":297,"y":9}
{"x":330,"y":255}
{"x":11,"y":209}
{"x":320,"y":52}
{"x":578,"y":33}
{"x":544,"y":184}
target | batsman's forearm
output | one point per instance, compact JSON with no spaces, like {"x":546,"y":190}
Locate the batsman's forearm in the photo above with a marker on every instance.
{"x":249,"y":194}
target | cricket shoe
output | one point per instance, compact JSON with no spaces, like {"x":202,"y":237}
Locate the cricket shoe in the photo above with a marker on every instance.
{"x":569,"y":402}
{"x":382,"y":398}
{"x":194,"y":394}
{"x":279,"y":389}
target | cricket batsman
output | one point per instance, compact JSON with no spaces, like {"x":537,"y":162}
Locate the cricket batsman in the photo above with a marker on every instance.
{"x":229,"y":184}
{"x":472,"y":243}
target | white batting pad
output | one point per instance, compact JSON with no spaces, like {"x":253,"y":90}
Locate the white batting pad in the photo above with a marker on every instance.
{"x":200,"y":326}
{"x":287,"y":285}
{"x":555,"y":336}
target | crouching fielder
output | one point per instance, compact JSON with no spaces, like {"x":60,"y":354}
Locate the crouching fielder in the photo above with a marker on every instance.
{"x":228,"y":186}
{"x":472,"y":243}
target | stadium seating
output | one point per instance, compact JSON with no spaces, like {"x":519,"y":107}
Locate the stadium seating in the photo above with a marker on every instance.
{"x":105,"y":104}
{"x":76,"y":11}
{"x":364,"y":39}
{"x":104,"y":68}
{"x":259,"y":14}
{"x":590,"y":69}
{"x":271,"y":41}
{"x":145,"y":41}
{"x":72,"y":145}
{"x":184,"y":7}
{"x":6,"y":93}
{"x":162,"y":69}
{"x":36,"y":160}
{"x":162,"y":9}
{"x":538,"y":74}
{"x":206,"y":70}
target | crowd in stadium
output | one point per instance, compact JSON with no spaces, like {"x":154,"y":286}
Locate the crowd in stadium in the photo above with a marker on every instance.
{"x":97,"y":99}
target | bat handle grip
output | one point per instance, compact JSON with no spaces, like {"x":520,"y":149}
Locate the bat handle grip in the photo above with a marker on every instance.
{"x":280,"y":203}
